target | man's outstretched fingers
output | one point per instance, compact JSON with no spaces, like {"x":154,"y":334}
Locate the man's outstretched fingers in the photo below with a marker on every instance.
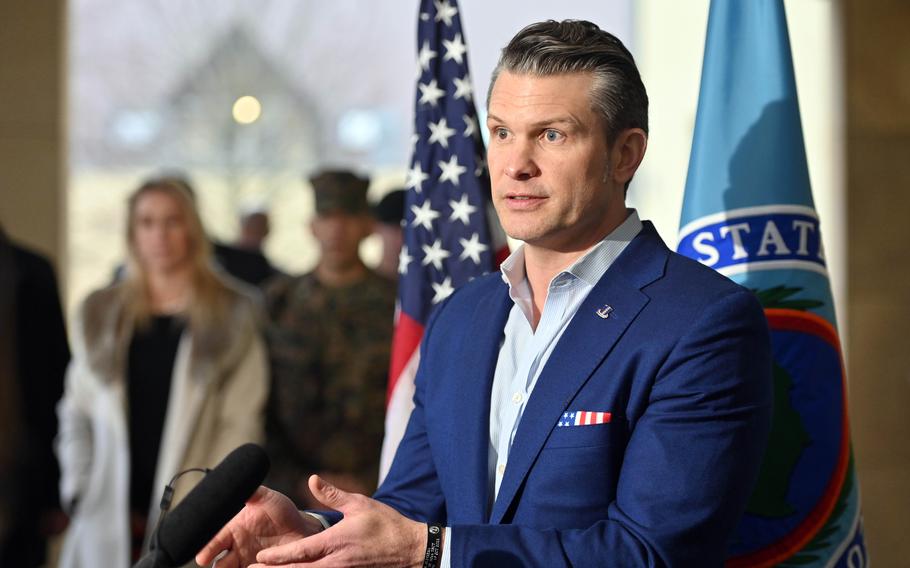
{"x":221,"y":541}
{"x":304,"y":550}
{"x":224,"y":539}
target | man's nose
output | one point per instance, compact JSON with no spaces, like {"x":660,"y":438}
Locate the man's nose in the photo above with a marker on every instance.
{"x":520,"y":164}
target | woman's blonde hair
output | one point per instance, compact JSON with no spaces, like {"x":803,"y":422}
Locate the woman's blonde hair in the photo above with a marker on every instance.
{"x":208,"y":296}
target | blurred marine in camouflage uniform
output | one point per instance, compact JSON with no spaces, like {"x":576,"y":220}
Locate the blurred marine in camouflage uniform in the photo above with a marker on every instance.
{"x":329,"y":340}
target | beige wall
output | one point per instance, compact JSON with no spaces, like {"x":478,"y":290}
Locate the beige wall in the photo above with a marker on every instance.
{"x":32,"y":143}
{"x":878,"y":213}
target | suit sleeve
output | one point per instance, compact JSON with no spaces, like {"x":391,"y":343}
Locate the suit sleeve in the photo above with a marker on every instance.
{"x":688,"y":469}
{"x":412,"y":485}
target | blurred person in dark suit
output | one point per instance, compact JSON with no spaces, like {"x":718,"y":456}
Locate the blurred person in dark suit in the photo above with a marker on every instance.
{"x":33,"y":358}
{"x":254,"y":229}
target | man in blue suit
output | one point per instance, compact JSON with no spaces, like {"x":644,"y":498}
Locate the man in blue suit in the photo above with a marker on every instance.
{"x":601,"y":402}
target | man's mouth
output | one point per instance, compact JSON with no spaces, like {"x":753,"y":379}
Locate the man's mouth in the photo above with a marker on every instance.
{"x":524,"y":201}
{"x":523,"y":196}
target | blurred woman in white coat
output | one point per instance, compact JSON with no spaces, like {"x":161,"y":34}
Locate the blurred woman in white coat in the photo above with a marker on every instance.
{"x":168,"y":373}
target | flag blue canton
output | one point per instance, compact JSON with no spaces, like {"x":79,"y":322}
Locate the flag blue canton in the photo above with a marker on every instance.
{"x":568,"y":419}
{"x":446,"y":236}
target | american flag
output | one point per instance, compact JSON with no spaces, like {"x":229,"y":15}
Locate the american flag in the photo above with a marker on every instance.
{"x":447,"y":237}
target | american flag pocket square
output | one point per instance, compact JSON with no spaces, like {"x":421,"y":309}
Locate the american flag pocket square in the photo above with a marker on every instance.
{"x":582,"y":418}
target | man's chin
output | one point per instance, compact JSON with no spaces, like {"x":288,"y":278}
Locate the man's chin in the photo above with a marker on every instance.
{"x":523,"y":233}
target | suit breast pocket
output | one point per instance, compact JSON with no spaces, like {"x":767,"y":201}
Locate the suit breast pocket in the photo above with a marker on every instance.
{"x":574,"y":477}
{"x":612,"y":432}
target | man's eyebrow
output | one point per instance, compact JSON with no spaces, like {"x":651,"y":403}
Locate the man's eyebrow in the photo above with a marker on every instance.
{"x":550,"y":121}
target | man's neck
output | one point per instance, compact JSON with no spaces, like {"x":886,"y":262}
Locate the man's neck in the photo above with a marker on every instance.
{"x":543,"y":263}
{"x":337,"y":277}
{"x":541,"y":266}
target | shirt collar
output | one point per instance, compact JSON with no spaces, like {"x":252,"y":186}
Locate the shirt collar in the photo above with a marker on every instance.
{"x":591,"y":266}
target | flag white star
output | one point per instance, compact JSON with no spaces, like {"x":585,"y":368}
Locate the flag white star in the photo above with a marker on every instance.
{"x":430,"y":93}
{"x":463,"y":88}
{"x":424,"y":16}
{"x":461,"y":209}
{"x":451,"y":170}
{"x":442,"y":290}
{"x":445,"y":11}
{"x":424,"y":215}
{"x":404,"y":259}
{"x":440,"y":132}
{"x":455,"y":49}
{"x":425,"y":55}
{"x":470,"y":125}
{"x":472,"y":248}
{"x":415,"y":178}
{"x":434,"y":254}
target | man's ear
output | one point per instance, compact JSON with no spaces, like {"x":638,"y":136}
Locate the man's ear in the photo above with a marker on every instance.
{"x":627,"y":153}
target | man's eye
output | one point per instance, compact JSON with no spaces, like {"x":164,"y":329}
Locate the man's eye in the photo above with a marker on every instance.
{"x":502,"y":133}
{"x":553,"y":135}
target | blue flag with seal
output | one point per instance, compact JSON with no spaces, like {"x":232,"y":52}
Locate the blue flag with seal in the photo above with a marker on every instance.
{"x":748,"y":212}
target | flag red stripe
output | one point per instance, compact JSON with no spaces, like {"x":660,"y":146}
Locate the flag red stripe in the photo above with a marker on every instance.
{"x":407,"y":337}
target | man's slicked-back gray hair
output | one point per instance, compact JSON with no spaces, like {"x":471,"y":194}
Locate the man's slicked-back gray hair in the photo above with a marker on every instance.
{"x":577,"y":46}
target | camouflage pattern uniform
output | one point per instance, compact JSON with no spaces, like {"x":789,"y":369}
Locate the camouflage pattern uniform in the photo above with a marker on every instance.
{"x":329,"y":349}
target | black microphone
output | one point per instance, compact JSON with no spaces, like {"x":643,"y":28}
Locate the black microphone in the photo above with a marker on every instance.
{"x":214,"y":501}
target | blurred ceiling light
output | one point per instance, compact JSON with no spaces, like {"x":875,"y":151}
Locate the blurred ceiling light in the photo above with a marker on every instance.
{"x":360,"y":129}
{"x":247,"y":109}
{"x":135,"y":128}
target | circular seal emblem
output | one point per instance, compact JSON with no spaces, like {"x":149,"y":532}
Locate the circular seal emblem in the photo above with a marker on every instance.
{"x":803,"y":471}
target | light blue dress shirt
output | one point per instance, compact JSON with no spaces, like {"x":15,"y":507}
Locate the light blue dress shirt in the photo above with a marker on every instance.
{"x":524,"y":350}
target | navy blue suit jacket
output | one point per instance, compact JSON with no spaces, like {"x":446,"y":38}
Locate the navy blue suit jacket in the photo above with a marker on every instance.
{"x":683,"y":365}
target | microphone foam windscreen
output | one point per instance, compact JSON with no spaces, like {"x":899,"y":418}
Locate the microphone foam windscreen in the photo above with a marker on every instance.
{"x":214,"y":501}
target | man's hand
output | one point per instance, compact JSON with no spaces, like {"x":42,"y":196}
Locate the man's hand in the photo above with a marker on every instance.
{"x":268,"y":519}
{"x":343,"y":481}
{"x":371,"y":534}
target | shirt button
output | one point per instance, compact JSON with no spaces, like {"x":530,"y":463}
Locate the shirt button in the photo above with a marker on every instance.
{"x":517,"y":398}
{"x":500,"y":469}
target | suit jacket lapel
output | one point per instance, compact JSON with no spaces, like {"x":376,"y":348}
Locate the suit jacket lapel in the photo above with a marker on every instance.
{"x":588,"y":339}
{"x":482,"y":341}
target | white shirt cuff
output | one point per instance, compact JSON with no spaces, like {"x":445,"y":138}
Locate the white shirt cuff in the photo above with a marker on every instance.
{"x":322,"y":520}
{"x":446,"y":560}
